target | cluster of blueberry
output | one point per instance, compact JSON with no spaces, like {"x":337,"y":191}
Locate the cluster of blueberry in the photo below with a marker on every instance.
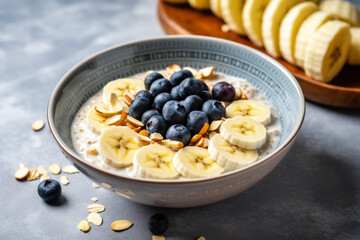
{"x":183,"y":104}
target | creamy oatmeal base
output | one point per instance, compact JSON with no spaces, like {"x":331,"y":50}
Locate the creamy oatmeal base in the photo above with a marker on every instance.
{"x":85,"y":139}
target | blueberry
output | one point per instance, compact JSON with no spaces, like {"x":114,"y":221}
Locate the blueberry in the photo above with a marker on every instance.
{"x":192,"y":86}
{"x":158,"y":224}
{"x":160,"y":100}
{"x":175,"y":94}
{"x":174,"y":112}
{"x":138,"y":107}
{"x":223,"y":91}
{"x":147,"y":115}
{"x":145,"y":94}
{"x":49,"y":190}
{"x":159,"y":86}
{"x":205,"y":95}
{"x":193,"y":102}
{"x":179,"y":133}
{"x":177,"y":77}
{"x":195,"y":121}
{"x":214,"y":110}
{"x":157,"y":124}
{"x":152,"y":77}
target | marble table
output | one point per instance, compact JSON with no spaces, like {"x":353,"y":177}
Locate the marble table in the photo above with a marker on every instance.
{"x":313,"y":194}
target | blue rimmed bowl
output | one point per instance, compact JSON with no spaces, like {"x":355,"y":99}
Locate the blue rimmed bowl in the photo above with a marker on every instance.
{"x":89,"y":76}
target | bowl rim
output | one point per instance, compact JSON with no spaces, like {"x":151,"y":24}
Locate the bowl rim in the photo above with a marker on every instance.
{"x":65,"y":79}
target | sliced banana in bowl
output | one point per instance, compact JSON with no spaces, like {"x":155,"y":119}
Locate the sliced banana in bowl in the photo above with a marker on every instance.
{"x":229,"y":156}
{"x":251,"y":109}
{"x":120,"y":86}
{"x":118,"y":145}
{"x":155,"y":161}
{"x":243,"y":132}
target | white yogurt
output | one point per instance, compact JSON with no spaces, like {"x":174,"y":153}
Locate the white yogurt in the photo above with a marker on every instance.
{"x":84,"y":138}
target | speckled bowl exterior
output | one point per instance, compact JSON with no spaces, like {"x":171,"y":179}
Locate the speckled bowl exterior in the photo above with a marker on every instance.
{"x":89,"y":76}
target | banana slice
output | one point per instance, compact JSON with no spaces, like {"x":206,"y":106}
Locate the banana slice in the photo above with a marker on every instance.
{"x":155,"y":161}
{"x":243,"y":132}
{"x":120,"y":86}
{"x":343,"y":10}
{"x":273,"y":15}
{"x":327,"y":51}
{"x":195,"y":162}
{"x":230,"y":156}
{"x":200,"y":4}
{"x":215,"y":7}
{"x":251,"y":109}
{"x":306,"y":31}
{"x":354,"y":53}
{"x":290,"y":26}
{"x":97,"y":121}
{"x":118,"y":145}
{"x":232,"y":14}
{"x":252,"y":19}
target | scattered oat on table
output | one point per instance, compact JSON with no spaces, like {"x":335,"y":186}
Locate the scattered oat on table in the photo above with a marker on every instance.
{"x":44,"y":177}
{"x":84,"y":226}
{"x":33,"y":174}
{"x":96,"y":208}
{"x":95,"y":185}
{"x":95,"y":218}
{"x":158,"y":237}
{"x":64,"y":180}
{"x":38,"y":125}
{"x":54,"y":169}
{"x":42,"y":170}
{"x":22,"y":173}
{"x":70,"y":169}
{"x":94,"y":199}
{"x":120,"y":225}
{"x":21,"y":165}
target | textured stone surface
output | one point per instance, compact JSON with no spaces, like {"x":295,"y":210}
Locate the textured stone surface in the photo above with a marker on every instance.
{"x":313,"y":194}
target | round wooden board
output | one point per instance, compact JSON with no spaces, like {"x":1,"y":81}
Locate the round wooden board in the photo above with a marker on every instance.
{"x":344,"y":90}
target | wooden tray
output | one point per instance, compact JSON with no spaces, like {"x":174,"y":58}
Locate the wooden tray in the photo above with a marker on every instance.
{"x":344,"y":90}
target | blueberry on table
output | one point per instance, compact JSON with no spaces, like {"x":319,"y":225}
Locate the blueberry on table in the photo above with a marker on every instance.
{"x":157,"y":124}
{"x":192,"y":86}
{"x":205,"y":95}
{"x":145,"y":94}
{"x":214,"y":110}
{"x":138,"y":107}
{"x":160,"y":101}
{"x":193,"y":102}
{"x":147,"y":115}
{"x":152,"y":77}
{"x":158,"y":224}
{"x":159,"y":86}
{"x":49,"y":190}
{"x":177,"y":77}
{"x":179,"y":133}
{"x":175,"y":94}
{"x":223,"y":91}
{"x":195,"y":121}
{"x":174,"y":112}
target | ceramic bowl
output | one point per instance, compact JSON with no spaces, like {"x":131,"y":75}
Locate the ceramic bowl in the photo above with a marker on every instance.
{"x":264,"y":73}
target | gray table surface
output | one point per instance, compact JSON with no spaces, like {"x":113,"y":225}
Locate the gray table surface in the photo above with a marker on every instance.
{"x":313,"y":194}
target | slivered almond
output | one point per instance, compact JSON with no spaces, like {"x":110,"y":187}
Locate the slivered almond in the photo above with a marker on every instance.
{"x":147,"y":73}
{"x":243,"y":97}
{"x":70,"y":169}
{"x":95,"y":185}
{"x":95,"y":218}
{"x":134,"y":121}
{"x":95,"y":208}
{"x":94,"y":199}
{"x":103,"y":110}
{"x":42,"y":170}
{"x":129,"y":97}
{"x":125,"y":106}
{"x":54,"y":169}
{"x":156,"y":137}
{"x":173,"y":68}
{"x":131,"y":126}
{"x":172,"y":144}
{"x":144,"y":138}
{"x":225,"y":28}
{"x":125,"y":100}
{"x":21,"y":165}
{"x":84,"y":226}
{"x":223,"y":103}
{"x":115,"y":102}
{"x":123,"y":117}
{"x":144,"y":133}
{"x":158,"y":237}
{"x":223,"y":119}
{"x":33,"y":174}
{"x":215,"y":125}
{"x":92,"y":150}
{"x":195,"y":138}
{"x":206,"y":72}
{"x":64,"y":180}
{"x":204,"y":129}
{"x":237,"y":94}
{"x":200,"y":143}
{"x":114,"y":120}
{"x":120,"y":225}
{"x":44,"y":177}
{"x":38,"y":125}
{"x":22,"y":173}
{"x":206,"y":143}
